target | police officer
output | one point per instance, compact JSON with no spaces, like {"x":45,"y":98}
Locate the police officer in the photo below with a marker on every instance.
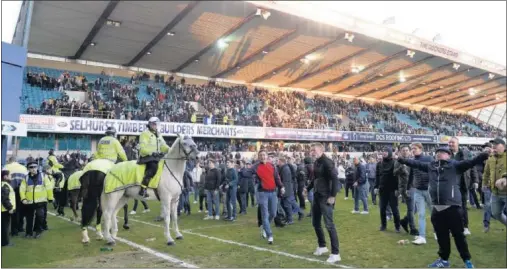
{"x":17,"y":173}
{"x":8,"y":206}
{"x":109,"y":147}
{"x":35,"y":192}
{"x":152,"y":148}
{"x":52,"y":161}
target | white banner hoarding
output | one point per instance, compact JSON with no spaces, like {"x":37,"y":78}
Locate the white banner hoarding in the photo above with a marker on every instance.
{"x":10,"y":128}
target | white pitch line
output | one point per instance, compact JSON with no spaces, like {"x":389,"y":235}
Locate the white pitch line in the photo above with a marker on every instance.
{"x":153,"y":252}
{"x":250,"y":246}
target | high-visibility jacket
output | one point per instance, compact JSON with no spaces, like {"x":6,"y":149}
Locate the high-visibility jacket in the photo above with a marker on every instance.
{"x":101,"y":165}
{"x":60,"y":184}
{"x":11,"y":196}
{"x":73,"y":183}
{"x":37,"y":189}
{"x":150,"y":143}
{"x":18,"y":173}
{"x":53,"y":162}
{"x":110,"y":148}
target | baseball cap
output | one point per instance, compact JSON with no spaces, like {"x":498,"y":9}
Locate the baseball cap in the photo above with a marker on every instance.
{"x":497,"y":141}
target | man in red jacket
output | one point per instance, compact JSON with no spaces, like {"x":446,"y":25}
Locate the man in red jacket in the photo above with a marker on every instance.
{"x":266,"y":175}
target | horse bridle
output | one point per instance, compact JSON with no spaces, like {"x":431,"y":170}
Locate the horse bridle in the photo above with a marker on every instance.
{"x":186,"y":158}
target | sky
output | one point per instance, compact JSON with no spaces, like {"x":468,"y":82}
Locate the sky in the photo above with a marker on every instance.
{"x":476,"y":27}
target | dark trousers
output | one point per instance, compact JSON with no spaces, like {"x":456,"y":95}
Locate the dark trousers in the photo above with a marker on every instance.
{"x":348,"y":186}
{"x":320,"y":209}
{"x":371,"y":181}
{"x":136,"y":202}
{"x":149,"y":173}
{"x":474,"y":199}
{"x":451,"y":220}
{"x":60,"y":201}
{"x":242,"y":202}
{"x":250,"y":195}
{"x":203,"y":200}
{"x":301,"y":196}
{"x":17,"y":219}
{"x":6,"y":222}
{"x":464,"y":210}
{"x":45,"y":216}
{"x":35,"y":217}
{"x":388,"y":198}
{"x":409,"y":218}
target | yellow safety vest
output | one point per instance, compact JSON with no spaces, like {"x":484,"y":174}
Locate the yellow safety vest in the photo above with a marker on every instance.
{"x":101,"y":165}
{"x":149,"y":143}
{"x":53,"y":162}
{"x":36,"y":191}
{"x":110,"y":148}
{"x":18,"y":173}
{"x":12,"y":196}
{"x":73,"y":182}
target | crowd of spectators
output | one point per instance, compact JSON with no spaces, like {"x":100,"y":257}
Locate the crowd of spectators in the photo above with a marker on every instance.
{"x":211,"y":103}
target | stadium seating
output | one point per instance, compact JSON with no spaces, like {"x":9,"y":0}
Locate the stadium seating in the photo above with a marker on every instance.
{"x":293,"y":110}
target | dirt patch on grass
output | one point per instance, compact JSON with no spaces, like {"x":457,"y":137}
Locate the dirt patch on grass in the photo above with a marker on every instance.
{"x":118,"y":260}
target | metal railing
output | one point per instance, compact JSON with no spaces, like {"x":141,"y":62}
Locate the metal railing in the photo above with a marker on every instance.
{"x":84,"y":113}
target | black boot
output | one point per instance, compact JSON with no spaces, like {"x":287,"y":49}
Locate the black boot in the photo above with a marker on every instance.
{"x":143,"y":193}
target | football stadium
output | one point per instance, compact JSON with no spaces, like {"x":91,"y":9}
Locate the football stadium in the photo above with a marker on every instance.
{"x":253,"y":133}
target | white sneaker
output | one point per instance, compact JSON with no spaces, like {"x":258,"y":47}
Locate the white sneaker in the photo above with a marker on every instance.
{"x":334,"y":258}
{"x":467,"y":232}
{"x":365,"y":212}
{"x":195,"y":202}
{"x":319,"y":251}
{"x":263,"y":233}
{"x":270,"y":240}
{"x":217,"y":217}
{"x":419,"y":240}
{"x":132,"y":212}
{"x":435,"y":235}
{"x":146,"y":210}
{"x":208,"y":217}
{"x":346,"y":198}
{"x":354,"y":212}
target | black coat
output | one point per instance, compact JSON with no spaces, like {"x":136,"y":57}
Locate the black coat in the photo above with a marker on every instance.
{"x":245,"y":176}
{"x":386,"y":181}
{"x":326,"y":177}
{"x":212,"y":179}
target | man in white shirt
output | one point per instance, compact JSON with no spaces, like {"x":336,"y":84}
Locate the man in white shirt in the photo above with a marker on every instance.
{"x":196,"y":175}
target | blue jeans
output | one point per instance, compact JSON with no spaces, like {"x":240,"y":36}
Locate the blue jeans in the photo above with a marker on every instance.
{"x":213,"y":203}
{"x":268,"y":203}
{"x":421,"y":200}
{"x":361,"y":194}
{"x":498,"y":204}
{"x":487,"y":207}
{"x":290,"y":206}
{"x":230,"y":201}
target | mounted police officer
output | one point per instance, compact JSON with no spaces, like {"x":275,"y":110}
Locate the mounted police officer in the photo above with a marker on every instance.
{"x":109,"y":147}
{"x":152,"y":148}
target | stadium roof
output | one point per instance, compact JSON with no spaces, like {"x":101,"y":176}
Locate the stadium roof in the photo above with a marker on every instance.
{"x":238,"y":41}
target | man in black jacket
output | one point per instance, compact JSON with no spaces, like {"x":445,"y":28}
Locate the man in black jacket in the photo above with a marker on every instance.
{"x":212,"y":182}
{"x":468,"y":180}
{"x":386,"y":185}
{"x":245,"y":175}
{"x":446,"y":199}
{"x":402,"y":172}
{"x":325,"y":188}
{"x":301,"y":177}
{"x":288,"y":201}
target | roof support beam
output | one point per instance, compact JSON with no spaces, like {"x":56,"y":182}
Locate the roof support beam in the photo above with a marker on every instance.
{"x":467,"y":97}
{"x":445,"y":89}
{"x":295,"y":59}
{"x":434,"y":82}
{"x":163,"y":32}
{"x":236,"y":27}
{"x":96,"y":28}
{"x":484,"y":103}
{"x":451,"y":91}
{"x":411,"y":81}
{"x":386,"y":76}
{"x":281,"y":40}
{"x":325,"y":68}
{"x":459,"y":98}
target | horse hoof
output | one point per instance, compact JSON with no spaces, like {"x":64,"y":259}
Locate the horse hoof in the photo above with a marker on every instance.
{"x":85,"y":242}
{"x":171,"y":243}
{"x":179,"y":237}
{"x":126,"y":227}
{"x":111,"y":243}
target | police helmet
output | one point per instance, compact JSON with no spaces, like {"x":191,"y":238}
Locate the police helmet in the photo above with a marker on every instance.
{"x":111,"y":131}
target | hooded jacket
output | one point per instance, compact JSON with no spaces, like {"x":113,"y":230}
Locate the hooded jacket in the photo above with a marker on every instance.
{"x":496,"y":168}
{"x":326,"y":178}
{"x":386,"y":181}
{"x":443,"y":177}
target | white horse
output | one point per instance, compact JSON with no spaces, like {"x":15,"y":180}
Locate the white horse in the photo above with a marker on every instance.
{"x":169,"y":190}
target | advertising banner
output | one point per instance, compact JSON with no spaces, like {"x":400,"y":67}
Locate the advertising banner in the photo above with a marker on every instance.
{"x":10,"y":128}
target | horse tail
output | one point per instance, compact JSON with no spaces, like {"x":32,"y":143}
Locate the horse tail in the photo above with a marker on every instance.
{"x":92,"y":185}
